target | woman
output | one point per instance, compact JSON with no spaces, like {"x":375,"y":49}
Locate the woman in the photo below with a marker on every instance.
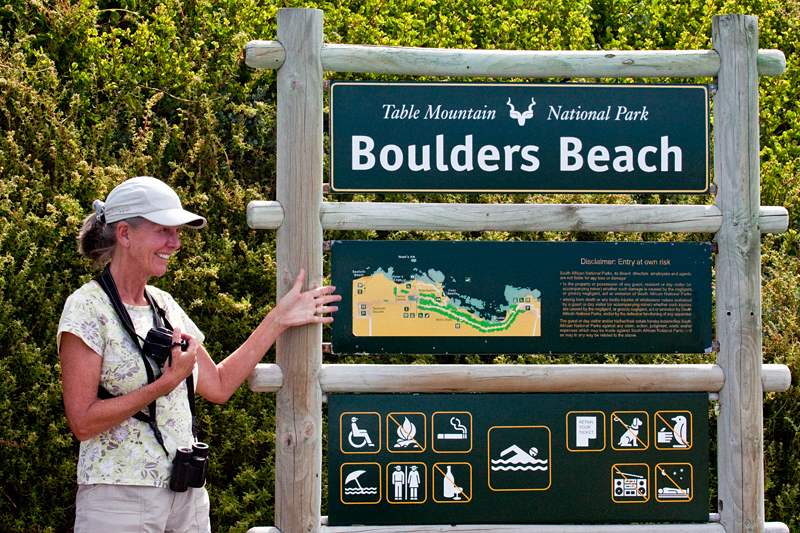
{"x":124,"y":467}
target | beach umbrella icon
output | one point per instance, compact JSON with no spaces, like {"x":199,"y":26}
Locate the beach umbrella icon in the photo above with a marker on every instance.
{"x":353,"y":476}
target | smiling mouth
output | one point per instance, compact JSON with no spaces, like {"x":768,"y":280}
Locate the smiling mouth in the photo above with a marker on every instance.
{"x":163,"y":256}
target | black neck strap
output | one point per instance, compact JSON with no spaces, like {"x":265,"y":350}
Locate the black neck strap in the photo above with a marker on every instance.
{"x":106,"y":282}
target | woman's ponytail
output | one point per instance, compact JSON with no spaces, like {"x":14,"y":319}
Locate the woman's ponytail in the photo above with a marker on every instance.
{"x":97,"y":240}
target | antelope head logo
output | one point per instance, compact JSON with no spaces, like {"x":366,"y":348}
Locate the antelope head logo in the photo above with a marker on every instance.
{"x":521,"y":117}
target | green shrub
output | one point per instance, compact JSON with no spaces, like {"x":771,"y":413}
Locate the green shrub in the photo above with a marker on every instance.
{"x":94,"y":92}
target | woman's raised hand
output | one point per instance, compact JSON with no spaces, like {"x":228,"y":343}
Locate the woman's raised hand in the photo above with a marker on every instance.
{"x":297,"y":308}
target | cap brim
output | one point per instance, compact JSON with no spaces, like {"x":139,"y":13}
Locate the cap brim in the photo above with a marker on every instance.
{"x":176,"y":217}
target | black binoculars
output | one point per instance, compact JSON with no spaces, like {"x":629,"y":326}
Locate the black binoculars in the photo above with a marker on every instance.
{"x":189,"y":467}
{"x":158,"y":344}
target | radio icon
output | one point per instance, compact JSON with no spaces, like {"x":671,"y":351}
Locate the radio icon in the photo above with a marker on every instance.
{"x":630,"y":483}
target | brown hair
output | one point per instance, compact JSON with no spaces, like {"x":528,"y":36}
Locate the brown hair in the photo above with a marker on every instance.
{"x":98,"y":240}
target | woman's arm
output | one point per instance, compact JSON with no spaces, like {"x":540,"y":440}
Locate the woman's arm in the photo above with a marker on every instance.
{"x":87,"y":415}
{"x":217,"y":382}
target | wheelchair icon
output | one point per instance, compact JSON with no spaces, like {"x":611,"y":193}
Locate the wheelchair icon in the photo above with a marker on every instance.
{"x":358,"y":433}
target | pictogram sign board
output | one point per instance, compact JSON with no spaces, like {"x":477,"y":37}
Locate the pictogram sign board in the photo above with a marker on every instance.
{"x":517,"y":458}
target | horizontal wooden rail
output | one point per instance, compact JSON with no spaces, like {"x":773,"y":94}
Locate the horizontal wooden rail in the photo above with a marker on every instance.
{"x":775,"y":378}
{"x":769,"y":527}
{"x":513,"y":63}
{"x":520,"y":378}
{"x":355,"y":216}
{"x":265,"y":378}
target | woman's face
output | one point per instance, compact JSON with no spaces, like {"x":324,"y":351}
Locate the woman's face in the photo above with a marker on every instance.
{"x":151,"y":246}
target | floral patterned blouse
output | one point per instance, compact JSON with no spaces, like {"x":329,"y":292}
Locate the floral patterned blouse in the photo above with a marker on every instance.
{"x":128,"y":454}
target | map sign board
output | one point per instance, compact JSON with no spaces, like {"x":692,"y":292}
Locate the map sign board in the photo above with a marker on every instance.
{"x":517,"y":458}
{"x":509,"y":137}
{"x":521,"y":297}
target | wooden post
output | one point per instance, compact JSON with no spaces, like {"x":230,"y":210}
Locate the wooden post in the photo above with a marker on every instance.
{"x":738,"y":275}
{"x":298,"y":490}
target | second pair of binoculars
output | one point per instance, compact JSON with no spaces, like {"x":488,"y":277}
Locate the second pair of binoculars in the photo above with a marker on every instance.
{"x":189,"y":467}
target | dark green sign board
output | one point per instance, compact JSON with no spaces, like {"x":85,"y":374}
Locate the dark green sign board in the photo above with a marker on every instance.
{"x":504,"y":137}
{"x":521,"y":297}
{"x":517,"y":458}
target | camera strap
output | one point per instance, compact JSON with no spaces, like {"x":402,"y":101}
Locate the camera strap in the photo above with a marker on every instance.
{"x":161,"y":321}
{"x":106,"y":282}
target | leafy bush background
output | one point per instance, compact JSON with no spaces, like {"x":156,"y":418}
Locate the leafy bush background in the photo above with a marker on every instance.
{"x":94,"y":92}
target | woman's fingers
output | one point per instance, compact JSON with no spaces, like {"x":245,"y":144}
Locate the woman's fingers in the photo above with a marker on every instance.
{"x":325,"y":297}
{"x":325,"y":309}
{"x":298,"y":282}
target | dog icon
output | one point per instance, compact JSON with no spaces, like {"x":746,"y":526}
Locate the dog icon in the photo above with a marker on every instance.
{"x":631,"y":437}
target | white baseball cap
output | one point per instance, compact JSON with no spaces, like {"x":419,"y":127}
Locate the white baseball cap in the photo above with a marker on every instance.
{"x":149,"y":198}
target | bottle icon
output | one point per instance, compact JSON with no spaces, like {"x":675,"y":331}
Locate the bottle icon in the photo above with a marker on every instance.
{"x":451,"y":490}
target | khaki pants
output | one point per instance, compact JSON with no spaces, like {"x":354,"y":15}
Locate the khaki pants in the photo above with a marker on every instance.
{"x":137,"y":509}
